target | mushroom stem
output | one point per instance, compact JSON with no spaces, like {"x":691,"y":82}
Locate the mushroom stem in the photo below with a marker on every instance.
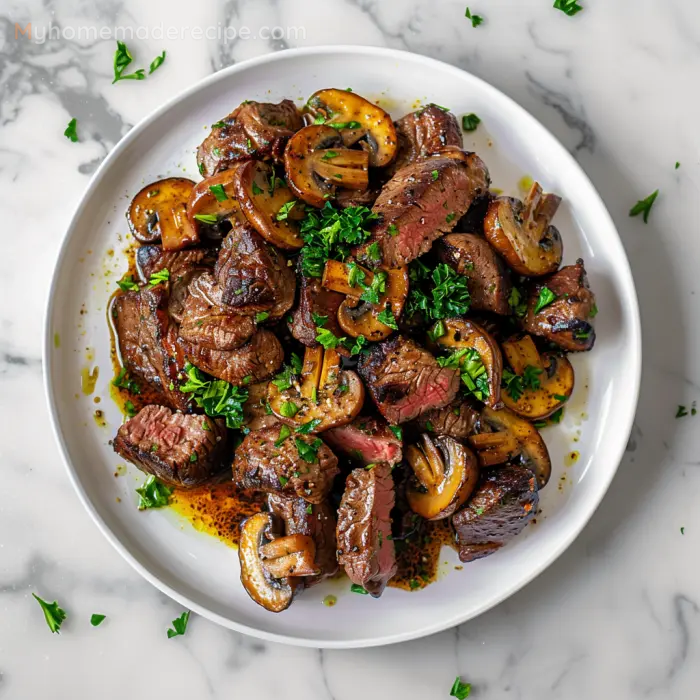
{"x":494,"y":448}
{"x":293,"y":555}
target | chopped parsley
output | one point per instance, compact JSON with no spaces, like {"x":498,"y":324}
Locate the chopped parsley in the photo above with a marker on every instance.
{"x":374,"y":252}
{"x":210,"y":219}
{"x":130,"y":409}
{"x":219,"y":192}
{"x":434,"y":174}
{"x":438,"y":294}
{"x":375,"y":289}
{"x":356,"y":347}
{"x":285,"y":432}
{"x":70,"y":132}
{"x":557,"y":415}
{"x":682,"y":531}
{"x":122,"y":59}
{"x":156,"y":63}
{"x":127,"y":284}
{"x":53,"y":614}
{"x":308,"y":451}
{"x":387,"y":318}
{"x":308,"y":427}
{"x":594,"y":311}
{"x":310,"y":509}
{"x":329,"y":155}
{"x":393,"y":230}
{"x":296,"y":362}
{"x":256,"y":189}
{"x":397,"y":430}
{"x":545,"y":298}
{"x":261,"y":316}
{"x":460,"y":690}
{"x":123,"y":381}
{"x":289,"y":409}
{"x":218,"y":125}
{"x":681,"y":412}
{"x":327,"y":339}
{"x":96,"y":620}
{"x":643,"y":206}
{"x":356,"y":275}
{"x":160,"y":277}
{"x":678,"y":165}
{"x":345,"y":125}
{"x":284,"y":481}
{"x":476,"y":20}
{"x":284,"y":210}
{"x":179,"y":625}
{"x":153,"y":494}
{"x":437,"y":331}
{"x":473,"y":371}
{"x":517,"y":302}
{"x":515,"y":384}
{"x":319,"y":320}
{"x":470,"y":122}
{"x":568,"y":7}
{"x":356,"y":588}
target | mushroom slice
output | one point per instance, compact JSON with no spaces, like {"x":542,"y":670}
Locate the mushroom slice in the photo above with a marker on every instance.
{"x":159,"y":213}
{"x":476,"y":353}
{"x":326,"y":397}
{"x":512,"y":437}
{"x":317,"y":162}
{"x":214,"y":200}
{"x":273,"y":594}
{"x":357,"y":120}
{"x":522,"y":233}
{"x":268,"y":204}
{"x":542,"y":383}
{"x":445,"y":473}
{"x":293,"y":555}
{"x":356,"y":316}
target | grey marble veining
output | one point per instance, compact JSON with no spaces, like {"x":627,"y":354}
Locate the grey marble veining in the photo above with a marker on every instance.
{"x":618,"y":615}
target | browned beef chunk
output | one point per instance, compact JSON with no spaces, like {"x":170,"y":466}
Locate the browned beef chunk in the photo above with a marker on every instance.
{"x":147,"y":343}
{"x":263,"y":462}
{"x":253,"y":275}
{"x":488,"y":279}
{"x":313,"y":520}
{"x":425,"y":132}
{"x":257,"y":130}
{"x":566,"y":321}
{"x":206,"y":322}
{"x":181,"y":450}
{"x":366,"y":440}
{"x":504,"y":502}
{"x":314,"y":299}
{"x":253,"y":362}
{"x":422,"y":202}
{"x":458,"y":419}
{"x":365,"y":547}
{"x":405,"y":380}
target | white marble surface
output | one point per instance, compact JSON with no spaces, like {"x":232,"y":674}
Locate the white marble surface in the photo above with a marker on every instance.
{"x":618,"y":615}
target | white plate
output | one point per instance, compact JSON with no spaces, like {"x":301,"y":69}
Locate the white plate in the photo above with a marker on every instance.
{"x":198,"y":570}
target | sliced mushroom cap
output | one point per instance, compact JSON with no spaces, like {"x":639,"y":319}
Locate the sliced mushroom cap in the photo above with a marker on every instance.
{"x":357,"y":120}
{"x":512,"y":437}
{"x":268,"y":204}
{"x":445,"y":473}
{"x":326,"y":397}
{"x":358,"y":317}
{"x":317,"y":163}
{"x":293,"y":555}
{"x":159,"y":213}
{"x":214,"y":200}
{"x":553,"y":379}
{"x":481,"y":357}
{"x":522,"y":233}
{"x":273,"y":594}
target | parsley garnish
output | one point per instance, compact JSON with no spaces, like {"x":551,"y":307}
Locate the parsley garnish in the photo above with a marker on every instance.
{"x":327,"y":339}
{"x":681,"y":412}
{"x":356,"y":275}
{"x":569,"y":7}
{"x":476,"y":20}
{"x":546,"y":297}
{"x":156,"y":63}
{"x":356,"y":588}
{"x":153,"y":494}
{"x":682,"y":531}
{"x":438,"y":294}
{"x":437,"y":331}
{"x":219,"y":192}
{"x":470,"y":122}
{"x":283,"y":380}
{"x":284,"y":210}
{"x":515,"y":384}
{"x":328,"y":155}
{"x":356,"y":347}
{"x":122,"y":58}
{"x":179,"y":625}
{"x":319,"y":320}
{"x":70,"y":132}
{"x":123,"y":381}
{"x":128,"y":284}
{"x":217,"y":397}
{"x":210,"y":219}
{"x":472,"y":369}
{"x":460,"y":690}
{"x":517,"y":303}
{"x":594,"y":311}
{"x":397,"y":430}
{"x":375,"y":289}
{"x":308,"y":427}
{"x":346,"y":125}
{"x":96,"y":619}
{"x":393,"y":230}
{"x":289,"y":409}
{"x":160,"y":277}
{"x":310,"y":509}
{"x":308,"y":451}
{"x":256,"y":189}
{"x":387,"y":318}
{"x":130,"y":409}
{"x":374,"y":252}
{"x":643,"y":206}
{"x":53,"y":614}
{"x":678,"y":165}
{"x":285,"y":432}
{"x":261,"y":316}
{"x":218,"y":125}
{"x":296,"y":362}
{"x":434,"y":174}
{"x":557,"y":415}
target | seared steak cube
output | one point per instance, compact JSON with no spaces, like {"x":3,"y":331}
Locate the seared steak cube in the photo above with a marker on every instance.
{"x":459,"y":419}
{"x":315,"y":299}
{"x":366,"y":440}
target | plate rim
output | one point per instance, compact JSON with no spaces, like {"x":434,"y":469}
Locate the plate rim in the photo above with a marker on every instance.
{"x":623,"y":271}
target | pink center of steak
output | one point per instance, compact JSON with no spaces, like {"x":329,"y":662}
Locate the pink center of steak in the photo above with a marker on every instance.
{"x":370,"y":449}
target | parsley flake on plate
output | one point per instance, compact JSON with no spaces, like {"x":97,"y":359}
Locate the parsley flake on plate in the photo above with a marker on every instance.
{"x":470,"y":122}
{"x":153,"y":494}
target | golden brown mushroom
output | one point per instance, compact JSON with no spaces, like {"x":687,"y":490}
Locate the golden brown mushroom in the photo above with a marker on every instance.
{"x":478,"y":355}
{"x":317,"y":163}
{"x":326,"y":397}
{"x":268,"y":204}
{"x":359,"y":317}
{"x":522,"y":233}
{"x":358,"y":121}
{"x":542,"y":383}
{"x":445,"y":473}
{"x":213,"y":200}
{"x":159,"y":213}
{"x":512,"y":437}
{"x":293,"y":555}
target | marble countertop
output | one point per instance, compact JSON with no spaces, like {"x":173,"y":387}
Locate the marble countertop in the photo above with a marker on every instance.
{"x":618,"y":615}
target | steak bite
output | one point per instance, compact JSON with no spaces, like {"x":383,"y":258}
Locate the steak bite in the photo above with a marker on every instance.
{"x":503,"y":504}
{"x":253,"y":362}
{"x":254,"y":276}
{"x":315,"y":521}
{"x":208,"y":323}
{"x":459,"y":419}
{"x":405,"y":380}
{"x":422,"y":202}
{"x":365,"y":547}
{"x":253,"y":130}
{"x":148,"y":343}
{"x":300,"y":465}
{"x":488,"y":279}
{"x":315,"y":299}
{"x":181,"y":450}
{"x":566,"y":320}
{"x":367,"y":440}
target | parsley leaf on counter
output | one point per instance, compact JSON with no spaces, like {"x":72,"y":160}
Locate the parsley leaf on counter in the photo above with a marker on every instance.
{"x":569,"y":7}
{"x":153,"y":494}
{"x":53,"y":614}
{"x":156,"y":63}
{"x":438,"y":294}
{"x":643,"y":206}
{"x":96,"y":619}
{"x":460,"y":690}
{"x":217,"y":397}
{"x":180,"y":625}
{"x":678,"y":165}
{"x":122,"y":58}
{"x":159,"y":277}
{"x":470,"y":122}
{"x":476,"y":20}
{"x":546,"y":297}
{"x":681,"y":412}
{"x":70,"y":132}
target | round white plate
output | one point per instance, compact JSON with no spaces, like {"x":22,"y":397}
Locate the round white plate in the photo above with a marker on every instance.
{"x":198,"y":570}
